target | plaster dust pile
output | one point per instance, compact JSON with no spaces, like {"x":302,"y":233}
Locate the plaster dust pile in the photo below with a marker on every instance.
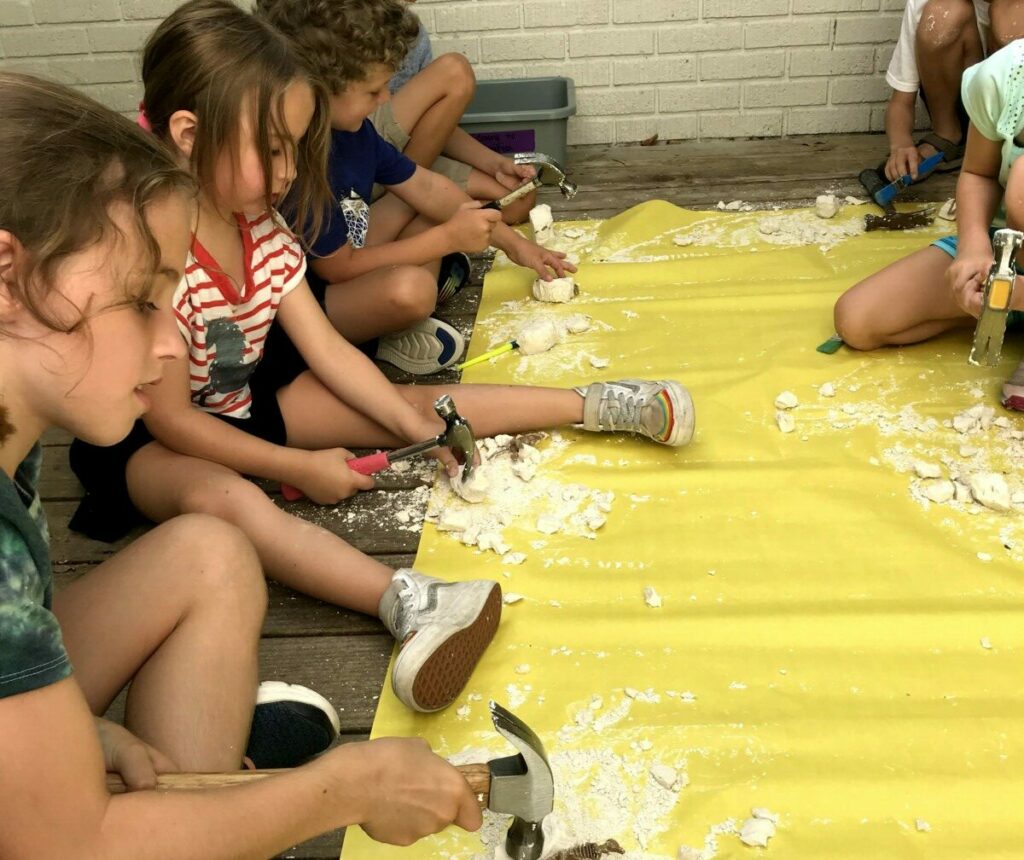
{"x":557,"y":290}
{"x":506,"y":490}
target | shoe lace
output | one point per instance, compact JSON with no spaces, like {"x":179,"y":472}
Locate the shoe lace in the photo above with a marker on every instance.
{"x":622,"y":410}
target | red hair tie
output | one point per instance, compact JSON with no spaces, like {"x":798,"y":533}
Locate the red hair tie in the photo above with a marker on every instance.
{"x":142,"y":119}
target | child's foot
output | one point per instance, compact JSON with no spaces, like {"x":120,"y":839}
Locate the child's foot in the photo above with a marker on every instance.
{"x":453,"y":275}
{"x":1013,"y":390}
{"x":662,"y":411}
{"x":444,"y":628}
{"x":427,"y":347}
{"x":290,"y":725}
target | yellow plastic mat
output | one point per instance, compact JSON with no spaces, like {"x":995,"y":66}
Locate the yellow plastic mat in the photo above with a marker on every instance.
{"x":831,"y":645}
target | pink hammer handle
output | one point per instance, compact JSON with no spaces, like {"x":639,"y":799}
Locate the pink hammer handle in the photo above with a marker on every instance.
{"x":369,"y":465}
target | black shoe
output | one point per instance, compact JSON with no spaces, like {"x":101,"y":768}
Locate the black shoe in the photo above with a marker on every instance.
{"x":453,"y":275}
{"x":290,"y":725}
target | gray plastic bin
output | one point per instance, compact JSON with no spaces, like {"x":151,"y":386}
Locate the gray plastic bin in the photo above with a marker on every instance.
{"x":522,"y":115}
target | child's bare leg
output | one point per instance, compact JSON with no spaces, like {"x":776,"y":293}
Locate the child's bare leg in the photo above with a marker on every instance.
{"x":490,"y":408}
{"x":947,"y":43}
{"x":907,"y":302}
{"x":382,"y":302}
{"x":178,"y":613}
{"x":431,"y":104}
{"x":1007,"y":22}
{"x":294,"y":552}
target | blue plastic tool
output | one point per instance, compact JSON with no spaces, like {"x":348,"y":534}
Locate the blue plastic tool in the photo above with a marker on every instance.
{"x":884,"y":196}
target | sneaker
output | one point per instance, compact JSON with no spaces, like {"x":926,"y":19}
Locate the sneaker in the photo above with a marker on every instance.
{"x":443,"y":629}
{"x":1013,"y":390}
{"x":452,"y":276}
{"x":290,"y":725}
{"x":662,"y":411}
{"x":427,"y":347}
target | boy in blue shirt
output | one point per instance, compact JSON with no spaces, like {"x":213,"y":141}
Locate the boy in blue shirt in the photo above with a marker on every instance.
{"x":381,"y":267}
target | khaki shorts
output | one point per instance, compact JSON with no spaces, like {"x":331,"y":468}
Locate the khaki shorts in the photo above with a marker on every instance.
{"x":387,"y":126}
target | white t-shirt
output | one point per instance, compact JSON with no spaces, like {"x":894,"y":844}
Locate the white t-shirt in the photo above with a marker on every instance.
{"x":225,"y":329}
{"x":903,"y":74}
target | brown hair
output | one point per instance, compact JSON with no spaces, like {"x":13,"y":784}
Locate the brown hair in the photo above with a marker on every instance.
{"x":211,"y":58}
{"x":340,"y":39}
{"x":64,"y":161}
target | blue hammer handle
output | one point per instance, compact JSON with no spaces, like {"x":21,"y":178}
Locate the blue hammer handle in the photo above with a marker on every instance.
{"x":888,"y":194}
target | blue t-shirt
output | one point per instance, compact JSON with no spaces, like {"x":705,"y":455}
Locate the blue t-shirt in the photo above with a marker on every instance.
{"x":357,"y":160}
{"x":32,"y":651}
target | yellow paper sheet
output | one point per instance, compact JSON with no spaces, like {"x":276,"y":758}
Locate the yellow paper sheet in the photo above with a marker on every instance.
{"x":821,"y":648}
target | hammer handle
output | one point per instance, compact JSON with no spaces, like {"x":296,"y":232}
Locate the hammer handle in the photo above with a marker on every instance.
{"x":477,"y":775}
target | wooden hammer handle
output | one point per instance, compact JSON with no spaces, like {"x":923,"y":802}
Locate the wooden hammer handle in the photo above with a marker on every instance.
{"x":477,"y":775}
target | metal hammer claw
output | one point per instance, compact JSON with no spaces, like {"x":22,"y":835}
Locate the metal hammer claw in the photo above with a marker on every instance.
{"x":549,"y":172}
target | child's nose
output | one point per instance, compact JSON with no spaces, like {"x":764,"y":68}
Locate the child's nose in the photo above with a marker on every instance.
{"x":167,"y":340}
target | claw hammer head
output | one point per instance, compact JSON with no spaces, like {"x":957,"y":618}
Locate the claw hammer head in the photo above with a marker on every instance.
{"x":458,"y":434}
{"x":521,"y":785}
{"x":549,"y":171}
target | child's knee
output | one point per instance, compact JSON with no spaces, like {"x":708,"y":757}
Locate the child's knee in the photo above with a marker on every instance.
{"x":410,"y":293}
{"x":226,"y":497}
{"x":519,"y":211}
{"x":943,"y":22}
{"x":852,"y":322}
{"x":458,"y":75}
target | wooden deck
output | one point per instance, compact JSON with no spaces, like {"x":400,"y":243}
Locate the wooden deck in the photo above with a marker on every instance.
{"x":343,"y":655}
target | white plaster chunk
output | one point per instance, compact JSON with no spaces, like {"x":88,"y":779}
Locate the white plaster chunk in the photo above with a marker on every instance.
{"x":968,"y":450}
{"x":651,"y":597}
{"x":667,"y":777}
{"x":476,"y":488}
{"x":572,"y":232}
{"x":986,"y":643}
{"x":599,"y":363}
{"x":938,"y":491}
{"x":577,"y":323}
{"x":922,"y":826}
{"x":733,"y":205}
{"x":756,"y":832}
{"x":786,"y":400}
{"x":927,"y":470}
{"x":826,"y":205}
{"x":766,"y":814}
{"x":548,"y":524}
{"x":785,"y":421}
{"x":961,"y":492}
{"x":989,"y":489}
{"x":523,"y":669}
{"x":827,"y":390}
{"x":684,"y":239}
{"x":769,"y":226}
{"x":542,"y":223}
{"x":510,"y":597}
{"x":514,"y":558}
{"x":557,"y":290}
{"x":688,"y":853}
{"x":538,"y":335}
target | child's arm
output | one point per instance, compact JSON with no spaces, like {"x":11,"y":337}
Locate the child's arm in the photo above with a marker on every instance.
{"x":463,"y":147}
{"x":899,"y":128}
{"x":180,"y":426}
{"x":55,"y":803}
{"x":350,"y":376}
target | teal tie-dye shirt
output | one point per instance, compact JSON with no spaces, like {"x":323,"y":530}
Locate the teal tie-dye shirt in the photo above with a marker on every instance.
{"x":32,"y":651}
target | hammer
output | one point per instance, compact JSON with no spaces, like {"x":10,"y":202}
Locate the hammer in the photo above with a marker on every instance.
{"x":457,"y":435}
{"x":549,"y":172}
{"x":520,"y":785}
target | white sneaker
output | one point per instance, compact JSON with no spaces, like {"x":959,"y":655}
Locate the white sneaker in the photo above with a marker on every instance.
{"x":428,"y":347}
{"x":661,"y":411}
{"x":443,"y":629}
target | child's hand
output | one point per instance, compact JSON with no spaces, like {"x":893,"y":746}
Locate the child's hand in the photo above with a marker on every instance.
{"x":532,"y":256}
{"x":966,"y":279}
{"x":469,"y":230}
{"x":138,"y":763}
{"x":512,"y":175}
{"x":903,"y":160}
{"x":326,"y":479}
{"x":412,"y":792}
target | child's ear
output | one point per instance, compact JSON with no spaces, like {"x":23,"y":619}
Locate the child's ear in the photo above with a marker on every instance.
{"x":9,"y":250}
{"x":182,"y":129}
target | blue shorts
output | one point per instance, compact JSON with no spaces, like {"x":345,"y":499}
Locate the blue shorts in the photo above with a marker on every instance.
{"x":949,"y":244}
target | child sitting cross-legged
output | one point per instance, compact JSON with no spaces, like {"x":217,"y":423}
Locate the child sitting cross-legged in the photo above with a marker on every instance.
{"x":380,"y":268}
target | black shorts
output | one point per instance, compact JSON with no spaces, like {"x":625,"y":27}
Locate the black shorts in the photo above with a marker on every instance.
{"x":106,"y":511}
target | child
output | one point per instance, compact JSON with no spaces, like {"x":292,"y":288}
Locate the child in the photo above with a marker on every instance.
{"x":283,"y":422}
{"x":939,"y":287}
{"x":94,"y":229}
{"x":367,"y":275}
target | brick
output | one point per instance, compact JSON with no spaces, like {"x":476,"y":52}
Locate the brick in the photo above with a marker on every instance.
{"x":689,"y":38}
{"x":651,"y":70}
{"x":119,"y":97}
{"x":787,"y":34}
{"x":749,"y":64}
{"x":616,"y":101}
{"x":610,"y":43}
{"x":883,"y":56}
{"x":828,"y":120}
{"x":654,"y":11}
{"x":719,"y":125}
{"x":67,"y":12}
{"x":104,"y":38}
{"x":679,"y":127}
{"x":135,"y":9}
{"x":44,"y":41}
{"x":112,"y":69}
{"x":468,"y":19}
{"x":39,"y":67}
{"x":779,"y":94}
{"x":15,"y":13}
{"x":808,"y":62}
{"x":848,"y":90}
{"x":585,"y":73}
{"x":468,"y":47}
{"x":877,"y":118}
{"x":804,"y":7}
{"x":867,"y":30}
{"x":744,"y":8}
{"x":535,"y":46}
{"x":635,"y":129}
{"x":494,"y":73}
{"x":583,"y":130}
{"x":565,"y":13}
{"x":699,"y":97}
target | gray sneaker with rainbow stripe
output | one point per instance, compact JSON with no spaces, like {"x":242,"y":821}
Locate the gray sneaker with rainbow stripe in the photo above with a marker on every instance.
{"x":660,"y":410}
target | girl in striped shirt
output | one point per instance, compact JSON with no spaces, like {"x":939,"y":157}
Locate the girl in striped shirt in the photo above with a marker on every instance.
{"x":223,"y":91}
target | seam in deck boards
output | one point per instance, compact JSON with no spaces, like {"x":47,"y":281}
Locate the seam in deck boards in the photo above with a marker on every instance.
{"x":301,"y":635}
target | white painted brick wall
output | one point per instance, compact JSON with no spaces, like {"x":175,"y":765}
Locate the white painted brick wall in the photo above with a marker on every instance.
{"x":684,"y":69}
